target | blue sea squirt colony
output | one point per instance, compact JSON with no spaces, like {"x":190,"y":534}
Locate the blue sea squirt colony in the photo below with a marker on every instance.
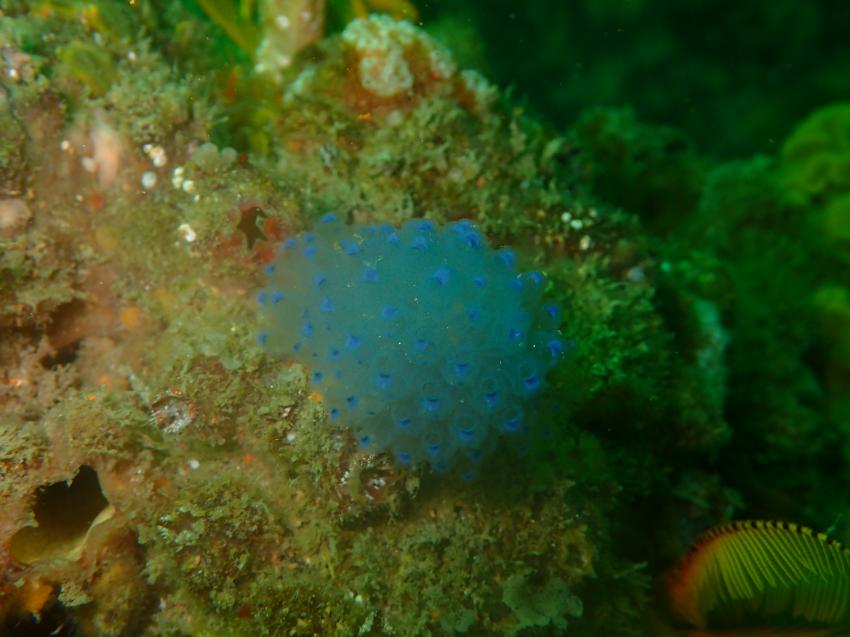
{"x":422,"y":339}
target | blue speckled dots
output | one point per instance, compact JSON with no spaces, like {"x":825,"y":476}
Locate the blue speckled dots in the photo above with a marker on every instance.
{"x":422,"y":339}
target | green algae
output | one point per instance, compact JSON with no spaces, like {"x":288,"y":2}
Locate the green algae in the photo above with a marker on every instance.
{"x":12,"y":154}
{"x":652,"y":171}
{"x":235,"y":20}
{"x":89,"y":64}
{"x":815,"y":153}
{"x":541,"y":604}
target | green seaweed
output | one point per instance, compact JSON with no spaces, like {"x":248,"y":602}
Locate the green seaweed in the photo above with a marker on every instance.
{"x":91,"y":65}
{"x":236,"y":18}
{"x":539,"y":604}
{"x":815,"y":154}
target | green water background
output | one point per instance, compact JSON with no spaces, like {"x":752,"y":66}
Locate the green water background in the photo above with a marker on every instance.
{"x":735,"y":75}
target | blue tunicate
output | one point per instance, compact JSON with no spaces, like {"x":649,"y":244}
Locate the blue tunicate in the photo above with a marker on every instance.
{"x":461,"y":369}
{"x":440,"y":276}
{"x":431,"y":404}
{"x":466,"y":435}
{"x":426,"y":226}
{"x":468,"y":235}
{"x":528,"y":379}
{"x":461,"y":227}
{"x":507,"y":257}
{"x":556,"y":347}
{"x":512,"y":424}
{"x":491,"y":398}
{"x":473,"y":240}
{"x":384,"y":380}
{"x":349,"y":246}
{"x":425,"y":341}
{"x":532,"y":382}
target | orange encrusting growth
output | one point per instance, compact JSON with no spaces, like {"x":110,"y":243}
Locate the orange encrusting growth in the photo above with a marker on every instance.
{"x":762,"y":570}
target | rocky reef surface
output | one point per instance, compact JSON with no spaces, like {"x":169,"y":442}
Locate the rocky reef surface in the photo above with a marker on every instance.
{"x":161,"y":475}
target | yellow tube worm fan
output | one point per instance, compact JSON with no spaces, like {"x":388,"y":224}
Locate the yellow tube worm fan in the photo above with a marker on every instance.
{"x":752,"y":575}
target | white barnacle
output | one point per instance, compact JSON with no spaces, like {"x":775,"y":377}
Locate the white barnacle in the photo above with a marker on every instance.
{"x":89,"y":164}
{"x":187,"y":233}
{"x":636,"y":274}
{"x":159,"y":158}
{"x":177,"y":177}
{"x":148,"y":180}
{"x":157,"y":155}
